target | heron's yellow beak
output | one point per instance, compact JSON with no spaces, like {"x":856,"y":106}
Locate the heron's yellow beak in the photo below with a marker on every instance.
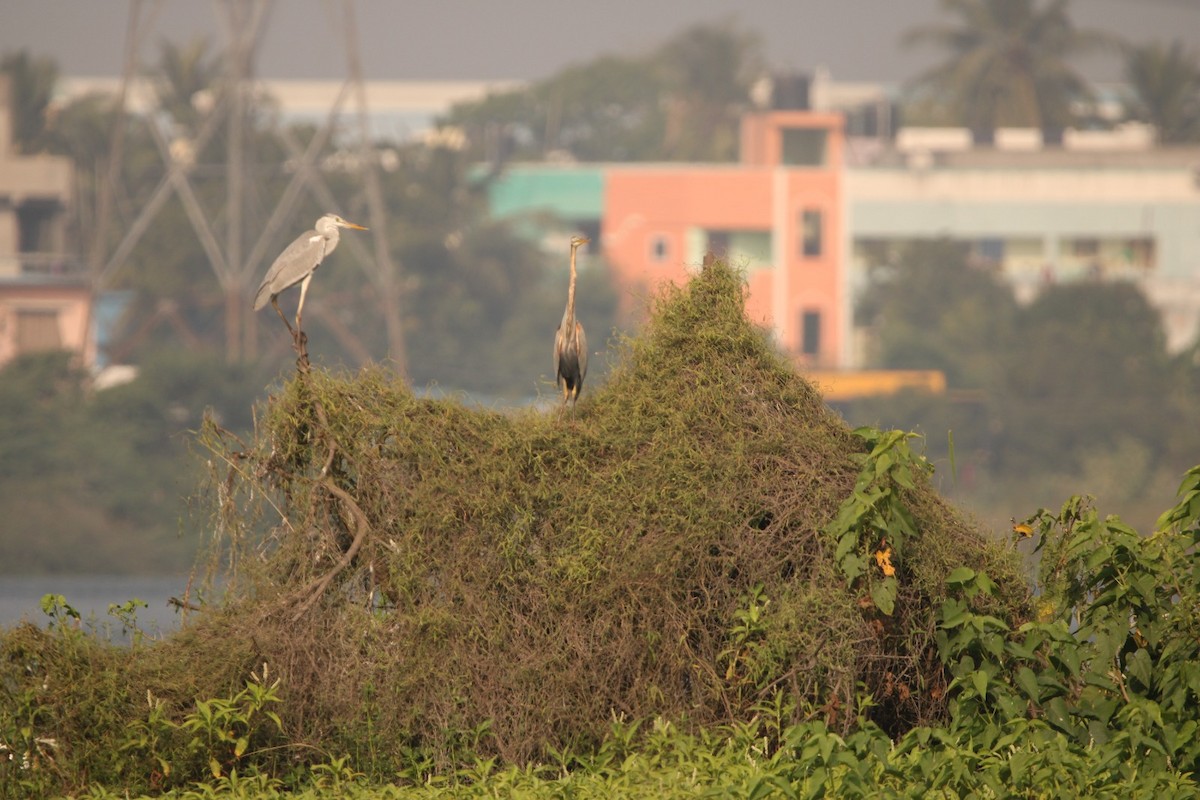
{"x":355,"y":227}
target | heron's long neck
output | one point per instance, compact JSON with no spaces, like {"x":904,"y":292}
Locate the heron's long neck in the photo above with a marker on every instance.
{"x":569,"y":315}
{"x":331,"y":240}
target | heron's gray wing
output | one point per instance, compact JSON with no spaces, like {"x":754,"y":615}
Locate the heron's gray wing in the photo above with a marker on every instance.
{"x":581,"y":340}
{"x":299,"y":259}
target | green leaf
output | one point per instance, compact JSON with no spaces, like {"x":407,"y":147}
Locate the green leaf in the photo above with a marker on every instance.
{"x":960,"y":576}
{"x":882,"y":465}
{"x":845,"y":544}
{"x":1057,"y":714}
{"x":853,"y":566}
{"x":903,"y":476}
{"x":1139,"y":667}
{"x":1028,"y":682}
{"x":979,"y":679}
{"x":883,"y":593}
{"x":954,"y":613}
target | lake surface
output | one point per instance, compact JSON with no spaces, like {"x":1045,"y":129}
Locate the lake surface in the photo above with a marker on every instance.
{"x":90,"y":595}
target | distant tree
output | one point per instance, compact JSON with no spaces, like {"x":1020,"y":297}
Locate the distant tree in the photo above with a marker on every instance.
{"x":609,"y":109}
{"x":1007,"y":64}
{"x":1075,"y":386}
{"x":709,"y":70}
{"x":680,"y":102}
{"x":98,"y":481}
{"x":1088,"y":367}
{"x":186,"y":79}
{"x":31,"y":83}
{"x":1165,"y":83}
{"x":929,"y":307}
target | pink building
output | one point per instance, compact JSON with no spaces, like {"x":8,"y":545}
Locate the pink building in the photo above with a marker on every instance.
{"x":777,"y":214}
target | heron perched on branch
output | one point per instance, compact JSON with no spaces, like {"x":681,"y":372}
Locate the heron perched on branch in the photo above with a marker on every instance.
{"x":570,"y":343}
{"x":297,"y":264}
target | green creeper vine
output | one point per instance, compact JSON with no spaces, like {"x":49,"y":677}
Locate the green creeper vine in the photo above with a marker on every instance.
{"x":873,"y":524}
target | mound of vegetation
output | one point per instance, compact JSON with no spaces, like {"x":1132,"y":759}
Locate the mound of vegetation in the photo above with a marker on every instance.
{"x":671,"y":549}
{"x":700,"y":540}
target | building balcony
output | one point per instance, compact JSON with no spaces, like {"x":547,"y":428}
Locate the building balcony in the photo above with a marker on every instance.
{"x":42,"y":269}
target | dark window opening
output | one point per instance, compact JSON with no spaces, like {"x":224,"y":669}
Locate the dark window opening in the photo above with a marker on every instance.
{"x":659,"y":248}
{"x":810,"y":229}
{"x":718,"y":242}
{"x":33,"y":227}
{"x":810,"y":326}
{"x":804,"y":147}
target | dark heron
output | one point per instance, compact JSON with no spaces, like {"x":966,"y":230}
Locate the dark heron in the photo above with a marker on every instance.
{"x":570,"y":343}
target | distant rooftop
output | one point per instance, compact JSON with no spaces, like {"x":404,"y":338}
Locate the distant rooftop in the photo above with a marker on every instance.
{"x":397,"y":109}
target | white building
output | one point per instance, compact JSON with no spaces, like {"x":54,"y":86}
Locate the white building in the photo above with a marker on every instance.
{"x":396,"y":110}
{"x":1045,"y":215}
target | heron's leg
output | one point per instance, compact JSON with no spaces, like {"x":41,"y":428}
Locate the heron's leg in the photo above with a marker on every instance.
{"x":278,"y":310}
{"x":303,"y":291}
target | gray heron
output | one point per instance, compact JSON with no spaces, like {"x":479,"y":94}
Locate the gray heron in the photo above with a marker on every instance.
{"x":298,"y":262}
{"x":570,"y":343}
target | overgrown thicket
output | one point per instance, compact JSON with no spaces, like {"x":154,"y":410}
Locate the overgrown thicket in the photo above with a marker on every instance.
{"x":700,"y":540}
{"x":544,"y":572}
{"x":1097,"y":697}
{"x":667,"y":550}
{"x":701,"y":581}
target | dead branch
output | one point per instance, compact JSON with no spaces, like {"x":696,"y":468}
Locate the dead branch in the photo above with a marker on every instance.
{"x":362,"y":525}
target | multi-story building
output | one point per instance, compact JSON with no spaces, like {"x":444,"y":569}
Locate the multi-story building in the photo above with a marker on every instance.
{"x":45,"y":295}
{"x":1045,"y":215}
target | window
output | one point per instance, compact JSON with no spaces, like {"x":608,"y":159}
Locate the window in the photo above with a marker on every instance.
{"x":1140,"y":253}
{"x":810,"y":232}
{"x":718,"y":242}
{"x":33,"y":227}
{"x":37,"y":330}
{"x":660,"y":247}
{"x":810,"y":329}
{"x":991,"y":250}
{"x":804,"y":147}
{"x":749,"y":249}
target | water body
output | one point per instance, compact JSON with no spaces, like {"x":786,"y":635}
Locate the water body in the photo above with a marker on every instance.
{"x":90,"y":595}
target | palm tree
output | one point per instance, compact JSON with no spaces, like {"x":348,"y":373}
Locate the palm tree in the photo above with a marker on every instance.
{"x":1007,"y":64}
{"x":1165,"y":82}
{"x":707,"y":71}
{"x":184,"y":74}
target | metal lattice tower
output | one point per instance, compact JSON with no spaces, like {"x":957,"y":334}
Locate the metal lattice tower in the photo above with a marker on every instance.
{"x":235,"y":260}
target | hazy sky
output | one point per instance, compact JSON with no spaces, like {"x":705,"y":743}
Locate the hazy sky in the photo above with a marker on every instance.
{"x":531,"y":39}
